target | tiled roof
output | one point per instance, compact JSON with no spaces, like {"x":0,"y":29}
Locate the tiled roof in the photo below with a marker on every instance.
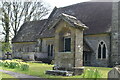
{"x":29,"y":31}
{"x":95,"y":15}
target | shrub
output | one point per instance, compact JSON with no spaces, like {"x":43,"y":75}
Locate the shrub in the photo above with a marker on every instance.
{"x":14,"y":64}
{"x":5,"y":63}
{"x":24,"y":66}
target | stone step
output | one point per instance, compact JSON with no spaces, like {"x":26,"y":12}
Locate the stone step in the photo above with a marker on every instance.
{"x":59,"y":73}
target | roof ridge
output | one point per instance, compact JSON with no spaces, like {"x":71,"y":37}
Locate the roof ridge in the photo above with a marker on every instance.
{"x":35,"y":20}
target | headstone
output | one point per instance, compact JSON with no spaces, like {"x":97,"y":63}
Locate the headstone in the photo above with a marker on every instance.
{"x":114,"y":73}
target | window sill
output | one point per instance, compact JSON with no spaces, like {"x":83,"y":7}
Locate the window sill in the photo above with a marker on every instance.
{"x":102,"y":59}
{"x":64,"y":52}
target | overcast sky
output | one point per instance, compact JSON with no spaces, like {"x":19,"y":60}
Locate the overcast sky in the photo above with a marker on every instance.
{"x":62,"y":3}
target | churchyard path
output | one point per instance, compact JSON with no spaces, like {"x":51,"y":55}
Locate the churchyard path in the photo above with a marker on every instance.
{"x":20,"y":76}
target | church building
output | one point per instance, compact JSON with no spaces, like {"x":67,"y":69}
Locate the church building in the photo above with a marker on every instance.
{"x":86,"y":32}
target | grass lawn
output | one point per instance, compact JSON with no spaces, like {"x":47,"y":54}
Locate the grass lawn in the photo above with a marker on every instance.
{"x":38,"y":69}
{"x":103,"y":70}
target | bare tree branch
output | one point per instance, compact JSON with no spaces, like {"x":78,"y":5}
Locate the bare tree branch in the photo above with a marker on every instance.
{"x":14,"y":14}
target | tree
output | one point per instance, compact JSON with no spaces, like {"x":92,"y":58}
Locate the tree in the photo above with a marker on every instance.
{"x":5,"y":20}
{"x":14,"y":14}
{"x":6,"y":47}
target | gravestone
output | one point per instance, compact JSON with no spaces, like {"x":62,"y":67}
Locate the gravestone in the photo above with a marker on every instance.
{"x":114,"y":73}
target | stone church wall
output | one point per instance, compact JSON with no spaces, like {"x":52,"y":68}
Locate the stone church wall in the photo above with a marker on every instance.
{"x":93,"y":41}
{"x":115,"y":36}
{"x":45,"y":43}
{"x":22,"y":48}
{"x":44,"y":48}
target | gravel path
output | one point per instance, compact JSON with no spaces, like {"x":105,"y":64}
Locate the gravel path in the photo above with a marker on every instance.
{"x":22,"y":76}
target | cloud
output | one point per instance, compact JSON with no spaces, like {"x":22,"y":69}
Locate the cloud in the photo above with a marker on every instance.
{"x":105,"y":0}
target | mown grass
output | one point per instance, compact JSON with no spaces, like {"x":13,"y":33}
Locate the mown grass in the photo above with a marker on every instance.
{"x":103,"y":70}
{"x":38,"y":69}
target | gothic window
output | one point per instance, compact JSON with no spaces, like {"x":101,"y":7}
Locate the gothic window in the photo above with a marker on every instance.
{"x":99,"y":51}
{"x":102,"y":51}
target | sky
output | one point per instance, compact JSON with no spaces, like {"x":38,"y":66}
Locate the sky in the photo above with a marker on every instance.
{"x":53,"y":3}
{"x":62,"y":3}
